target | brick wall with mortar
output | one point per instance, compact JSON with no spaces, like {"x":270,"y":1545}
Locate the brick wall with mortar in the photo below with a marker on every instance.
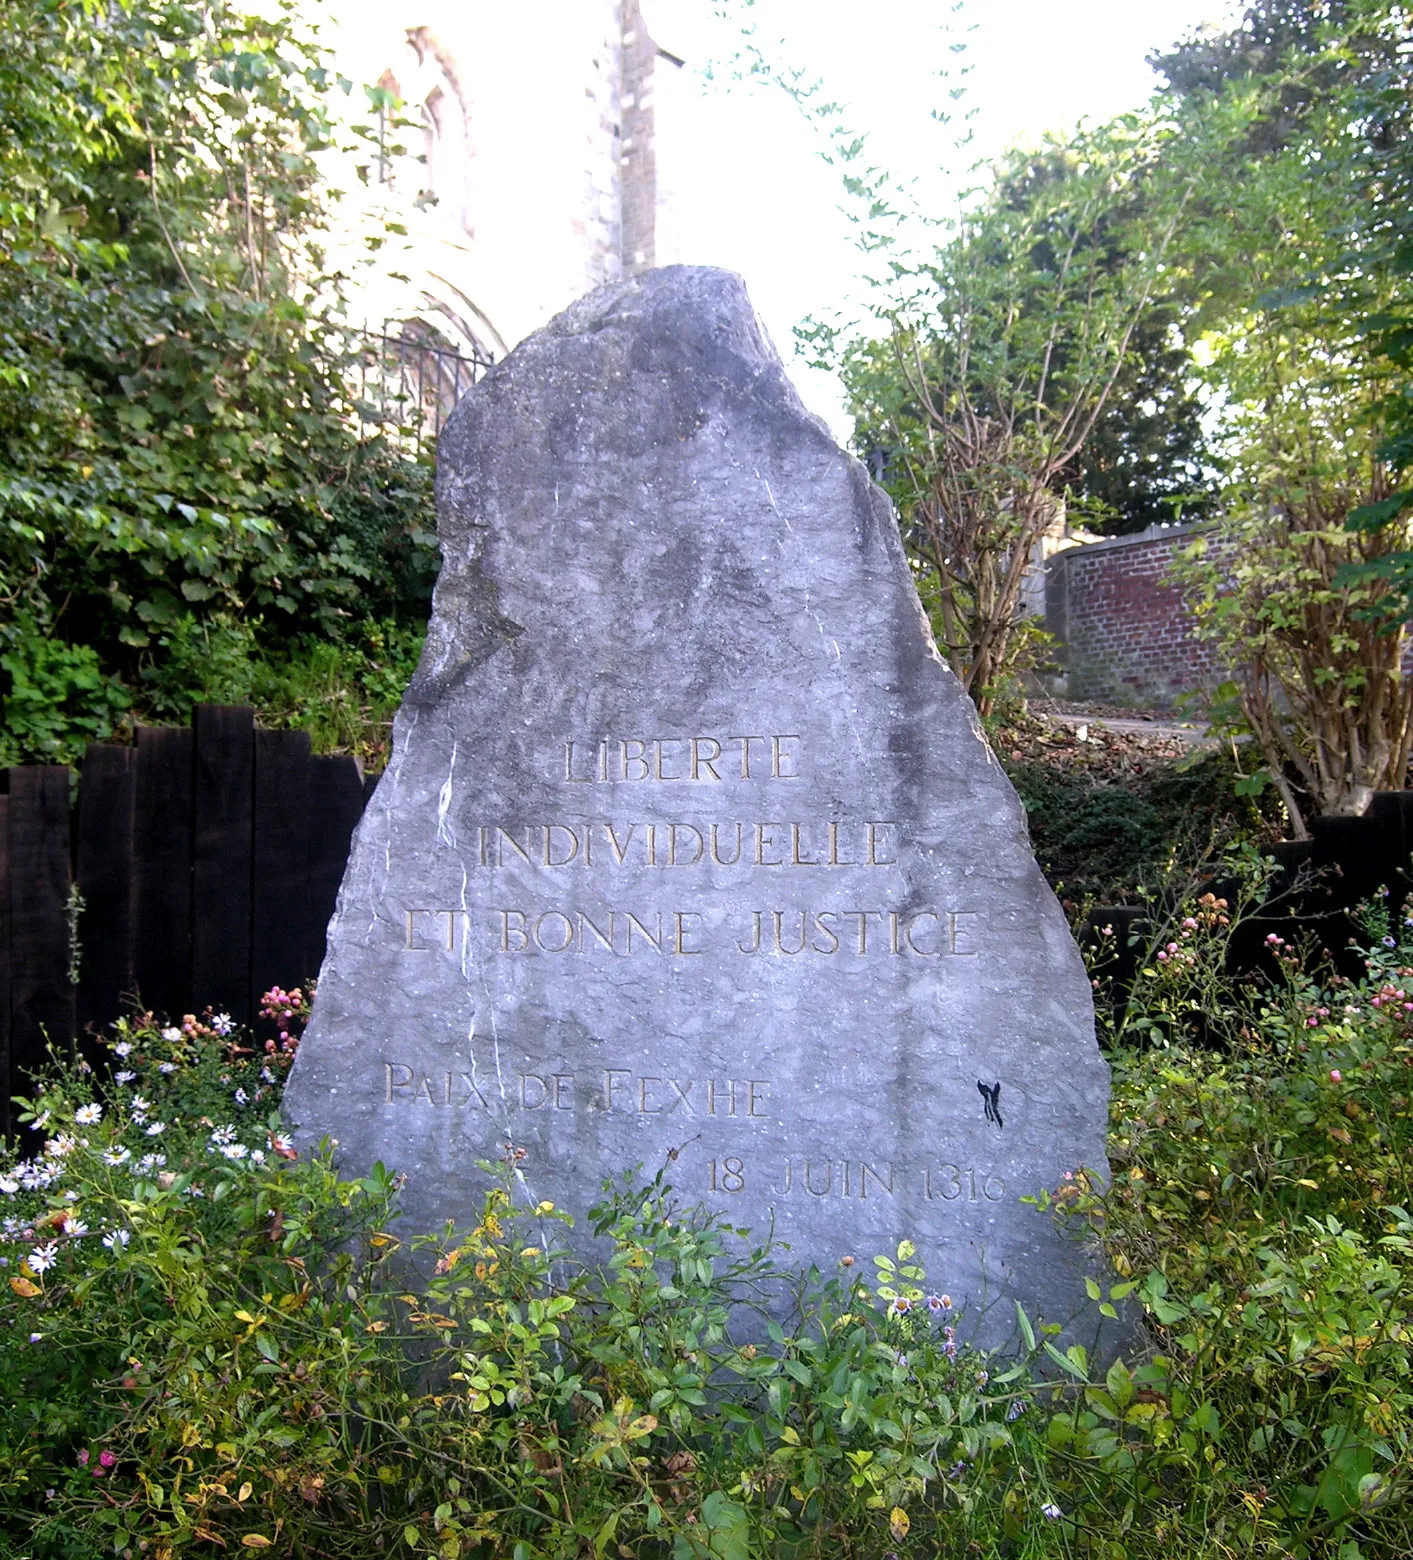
{"x":1125,"y":631}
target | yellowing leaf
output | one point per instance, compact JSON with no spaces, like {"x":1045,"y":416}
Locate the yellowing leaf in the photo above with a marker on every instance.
{"x":245,"y":1490}
{"x":899,"y":1523}
{"x":257,"y":1541}
{"x":23,"y":1288}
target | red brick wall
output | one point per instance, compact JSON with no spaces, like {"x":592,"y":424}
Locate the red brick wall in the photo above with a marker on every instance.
{"x":1125,"y":630}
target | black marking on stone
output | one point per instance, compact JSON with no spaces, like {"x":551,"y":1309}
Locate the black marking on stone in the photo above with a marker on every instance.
{"x":991,"y":1093}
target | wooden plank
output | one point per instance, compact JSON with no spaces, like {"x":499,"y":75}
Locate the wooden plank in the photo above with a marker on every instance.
{"x":6,"y":1121}
{"x":104,"y":866}
{"x":280,"y":930}
{"x":41,"y":996}
{"x":335,"y":806}
{"x":221,"y":862}
{"x":162,"y":858}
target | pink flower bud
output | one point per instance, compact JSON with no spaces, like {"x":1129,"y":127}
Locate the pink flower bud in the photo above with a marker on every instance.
{"x":1336,"y":1076}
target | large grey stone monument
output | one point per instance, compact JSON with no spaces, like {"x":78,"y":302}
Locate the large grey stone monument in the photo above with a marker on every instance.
{"x":690,"y":842}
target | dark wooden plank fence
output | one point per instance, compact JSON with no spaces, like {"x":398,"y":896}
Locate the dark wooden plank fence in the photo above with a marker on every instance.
{"x":200,"y":866}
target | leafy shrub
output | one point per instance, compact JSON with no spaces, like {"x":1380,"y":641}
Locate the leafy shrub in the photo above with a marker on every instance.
{"x":1098,"y":835}
{"x":182,"y":464}
{"x":343,"y":691}
{"x":55,"y":697}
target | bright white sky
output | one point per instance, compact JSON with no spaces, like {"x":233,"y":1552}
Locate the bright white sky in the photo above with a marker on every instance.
{"x":751,"y":192}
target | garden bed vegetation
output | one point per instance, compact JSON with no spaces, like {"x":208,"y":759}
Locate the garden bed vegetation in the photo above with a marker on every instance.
{"x":214,"y":1345}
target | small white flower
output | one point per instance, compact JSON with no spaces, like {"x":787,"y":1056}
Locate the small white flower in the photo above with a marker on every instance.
{"x":172,"y":1033}
{"x":223,"y":1023}
{"x":1051,"y":1511}
{"x":166,"y":1067}
{"x":257,"y":1156}
{"x":139,"y":1103}
{"x":87,"y":1115}
{"x":124,"y":1077}
{"x":36,"y":1337}
{"x":9,"y":1185}
{"x":266,"y":1075}
{"x":115,"y":1240}
{"x":151,"y":1161}
{"x":123,"y":1048}
{"x":194,"y":1191}
{"x":42,"y":1258}
{"x":12,"y":1226}
{"x":157,"y":1129}
{"x":71,"y":1196}
{"x":114,"y":1156}
{"x":62,"y":1146}
{"x":76,"y":1227}
{"x":234,"y":1150}
{"x":40,"y":1122}
{"x":222,"y":1135}
{"x":241,"y":1097}
{"x":280,"y":1143}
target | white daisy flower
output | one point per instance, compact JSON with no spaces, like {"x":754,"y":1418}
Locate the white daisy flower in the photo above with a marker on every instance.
{"x":87,"y":1115}
{"x":42,"y":1258}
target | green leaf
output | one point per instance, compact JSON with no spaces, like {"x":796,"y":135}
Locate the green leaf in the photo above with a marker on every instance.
{"x":1027,"y":1331}
{"x":1373,"y":517}
{"x":1066,"y":1364}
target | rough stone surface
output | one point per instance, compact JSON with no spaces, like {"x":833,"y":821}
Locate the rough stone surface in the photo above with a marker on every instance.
{"x":690,"y":841}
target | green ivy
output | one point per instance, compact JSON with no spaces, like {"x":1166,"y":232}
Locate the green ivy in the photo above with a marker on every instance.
{"x":179,"y":445}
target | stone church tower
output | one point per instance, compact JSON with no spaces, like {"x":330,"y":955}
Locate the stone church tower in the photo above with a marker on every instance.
{"x":514,"y":146}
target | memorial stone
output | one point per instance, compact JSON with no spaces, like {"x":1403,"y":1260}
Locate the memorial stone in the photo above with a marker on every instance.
{"x":691,"y":851}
